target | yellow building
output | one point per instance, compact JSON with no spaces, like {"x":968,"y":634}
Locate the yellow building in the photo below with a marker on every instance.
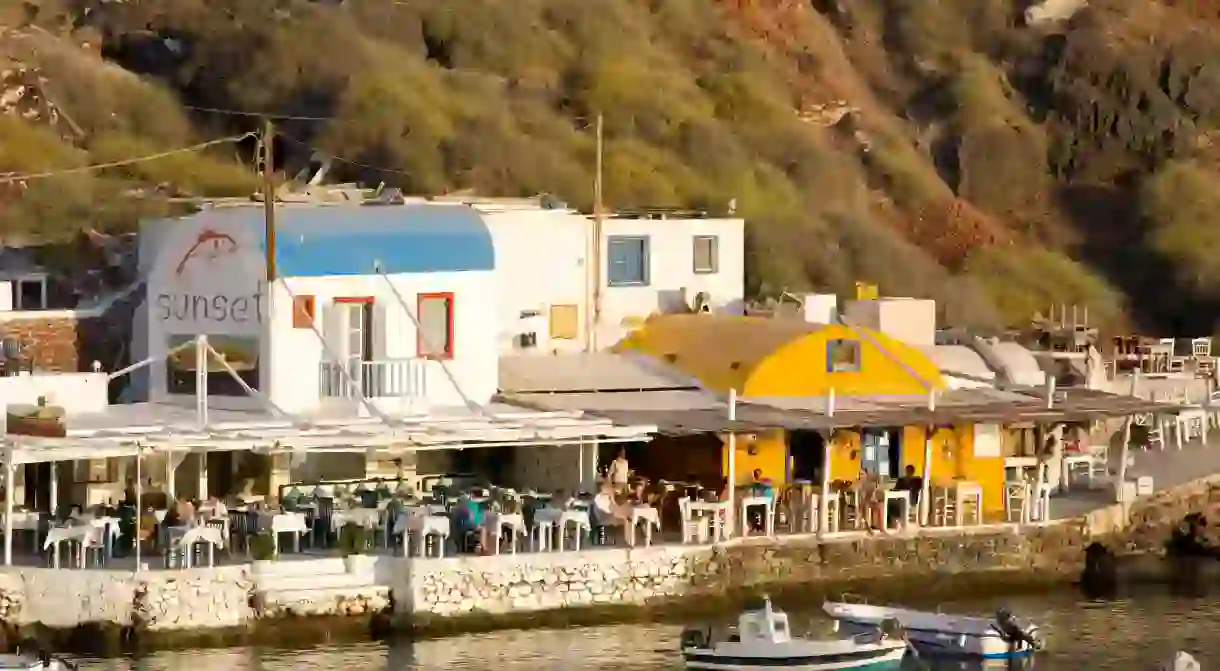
{"x":764,"y":358}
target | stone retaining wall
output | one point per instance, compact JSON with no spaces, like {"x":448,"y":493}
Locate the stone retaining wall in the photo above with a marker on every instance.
{"x":213,"y":598}
{"x":647,"y":576}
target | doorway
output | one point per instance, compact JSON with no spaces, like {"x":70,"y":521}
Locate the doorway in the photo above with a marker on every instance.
{"x":806,"y":453}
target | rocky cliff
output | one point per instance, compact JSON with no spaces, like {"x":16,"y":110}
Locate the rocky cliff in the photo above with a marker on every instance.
{"x":994,"y":154}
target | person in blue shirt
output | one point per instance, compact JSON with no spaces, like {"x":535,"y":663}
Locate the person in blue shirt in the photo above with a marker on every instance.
{"x":470,"y":515}
{"x":760,"y":487}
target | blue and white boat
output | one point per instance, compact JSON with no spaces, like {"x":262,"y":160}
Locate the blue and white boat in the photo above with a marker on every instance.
{"x":944,"y":634}
{"x":763,"y":642}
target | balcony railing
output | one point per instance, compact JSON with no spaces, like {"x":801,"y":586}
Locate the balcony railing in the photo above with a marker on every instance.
{"x":394,"y":378}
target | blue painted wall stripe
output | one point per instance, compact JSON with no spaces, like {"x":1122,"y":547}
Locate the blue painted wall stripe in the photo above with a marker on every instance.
{"x":355,"y":240}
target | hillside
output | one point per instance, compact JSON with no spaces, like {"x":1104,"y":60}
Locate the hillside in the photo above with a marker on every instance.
{"x":939,"y":148}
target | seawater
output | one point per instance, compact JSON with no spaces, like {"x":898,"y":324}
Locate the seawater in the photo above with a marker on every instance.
{"x":1130,"y":633}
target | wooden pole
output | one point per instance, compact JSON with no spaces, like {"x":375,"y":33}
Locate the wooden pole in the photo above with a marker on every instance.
{"x":267,"y":141}
{"x":596,"y":266}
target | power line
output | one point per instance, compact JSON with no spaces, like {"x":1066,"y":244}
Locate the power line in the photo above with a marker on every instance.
{"x":341,"y":159}
{"x":9,"y":179}
{"x":259,"y":115}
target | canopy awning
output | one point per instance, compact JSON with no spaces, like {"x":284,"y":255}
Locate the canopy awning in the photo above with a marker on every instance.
{"x":350,"y":436}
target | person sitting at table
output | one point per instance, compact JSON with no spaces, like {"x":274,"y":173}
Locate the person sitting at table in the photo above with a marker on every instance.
{"x":471,"y":517}
{"x":911,"y":484}
{"x":609,"y":509}
{"x":759,"y":486}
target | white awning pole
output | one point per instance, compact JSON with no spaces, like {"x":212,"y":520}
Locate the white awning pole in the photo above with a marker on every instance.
{"x":139,"y":502}
{"x":729,"y":518}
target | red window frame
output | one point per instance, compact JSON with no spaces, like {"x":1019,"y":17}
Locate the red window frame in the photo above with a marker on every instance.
{"x":354,"y":299}
{"x":447,"y":296}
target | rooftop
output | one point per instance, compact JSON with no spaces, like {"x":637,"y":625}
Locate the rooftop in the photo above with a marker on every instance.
{"x":679,"y":413}
{"x":587,"y":372}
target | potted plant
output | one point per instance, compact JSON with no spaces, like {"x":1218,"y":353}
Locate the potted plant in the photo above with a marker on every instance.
{"x":353,"y":542}
{"x":262,"y":550}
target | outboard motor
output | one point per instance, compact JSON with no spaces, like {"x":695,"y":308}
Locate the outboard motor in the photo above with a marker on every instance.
{"x":891,"y":628}
{"x":1012,"y":631}
{"x":694,"y":638}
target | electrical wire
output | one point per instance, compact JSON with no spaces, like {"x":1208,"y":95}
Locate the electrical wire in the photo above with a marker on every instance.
{"x":340,"y":158}
{"x":11,"y":178}
{"x":259,"y":115}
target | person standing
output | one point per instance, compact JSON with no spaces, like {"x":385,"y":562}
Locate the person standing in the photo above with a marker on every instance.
{"x":620,"y":471}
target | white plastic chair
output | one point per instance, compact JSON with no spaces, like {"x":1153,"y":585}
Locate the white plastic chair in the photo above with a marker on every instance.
{"x":693,"y":527}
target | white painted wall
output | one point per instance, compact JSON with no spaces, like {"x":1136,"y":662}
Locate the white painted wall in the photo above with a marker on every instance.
{"x":471,"y":374}
{"x":76,"y":393}
{"x":221,"y":291}
{"x":542,"y":259}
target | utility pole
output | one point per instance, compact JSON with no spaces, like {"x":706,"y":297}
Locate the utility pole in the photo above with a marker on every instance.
{"x":596,"y":266}
{"x":268,"y":156}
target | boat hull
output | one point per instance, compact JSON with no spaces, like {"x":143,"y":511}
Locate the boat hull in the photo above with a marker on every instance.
{"x":947,"y":644}
{"x":708,"y":660}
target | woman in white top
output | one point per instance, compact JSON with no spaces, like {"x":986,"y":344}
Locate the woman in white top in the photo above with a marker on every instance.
{"x":620,"y":472}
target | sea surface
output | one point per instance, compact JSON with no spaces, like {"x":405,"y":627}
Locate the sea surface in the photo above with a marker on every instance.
{"x":1130,"y":633}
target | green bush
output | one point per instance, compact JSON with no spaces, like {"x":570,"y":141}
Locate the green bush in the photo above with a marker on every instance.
{"x":1181,"y":205}
{"x":262,"y":547}
{"x":353,"y":539}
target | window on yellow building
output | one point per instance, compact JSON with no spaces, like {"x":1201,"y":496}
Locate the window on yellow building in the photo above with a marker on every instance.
{"x":842,"y":356}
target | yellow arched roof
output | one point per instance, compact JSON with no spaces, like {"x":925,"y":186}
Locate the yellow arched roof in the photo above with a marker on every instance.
{"x":779,"y":357}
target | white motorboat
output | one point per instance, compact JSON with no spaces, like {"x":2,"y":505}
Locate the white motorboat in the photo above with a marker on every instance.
{"x":41,"y":662}
{"x":1182,"y":661}
{"x":944,"y":634}
{"x":764,"y":641}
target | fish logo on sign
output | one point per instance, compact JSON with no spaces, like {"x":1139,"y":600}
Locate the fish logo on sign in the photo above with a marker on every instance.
{"x":208,"y":248}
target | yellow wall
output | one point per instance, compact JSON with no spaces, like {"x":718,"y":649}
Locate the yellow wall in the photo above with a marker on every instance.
{"x":772,"y":452}
{"x":845,"y":455}
{"x":764,"y":357}
{"x":953,"y":457}
{"x":798,"y":368}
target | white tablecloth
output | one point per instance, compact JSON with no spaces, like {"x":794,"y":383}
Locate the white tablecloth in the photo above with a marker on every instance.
{"x":89,"y":534}
{"x":497,"y":521}
{"x":365,"y":517}
{"x":26,"y":520}
{"x":101,"y":522}
{"x":645,"y":514}
{"x":202,"y":534}
{"x":424,"y":525}
{"x":285,"y":523}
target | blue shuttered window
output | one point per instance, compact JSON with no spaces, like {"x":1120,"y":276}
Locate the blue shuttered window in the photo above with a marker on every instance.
{"x":628,"y":261}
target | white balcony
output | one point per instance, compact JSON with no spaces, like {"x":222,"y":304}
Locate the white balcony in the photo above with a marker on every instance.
{"x":392,"y":378}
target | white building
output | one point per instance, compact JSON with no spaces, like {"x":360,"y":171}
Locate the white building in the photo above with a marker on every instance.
{"x":374,"y":355}
{"x":546,"y":263}
{"x":388,"y":300}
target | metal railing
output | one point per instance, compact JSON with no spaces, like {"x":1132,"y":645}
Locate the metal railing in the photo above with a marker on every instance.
{"x":393,"y":378}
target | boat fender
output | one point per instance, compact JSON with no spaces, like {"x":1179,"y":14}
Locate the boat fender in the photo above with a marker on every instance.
{"x":834,"y":626}
{"x":961,"y":640}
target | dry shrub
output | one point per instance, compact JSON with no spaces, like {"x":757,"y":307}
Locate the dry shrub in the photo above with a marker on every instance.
{"x":196,"y":173}
{"x":1022,"y":281}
